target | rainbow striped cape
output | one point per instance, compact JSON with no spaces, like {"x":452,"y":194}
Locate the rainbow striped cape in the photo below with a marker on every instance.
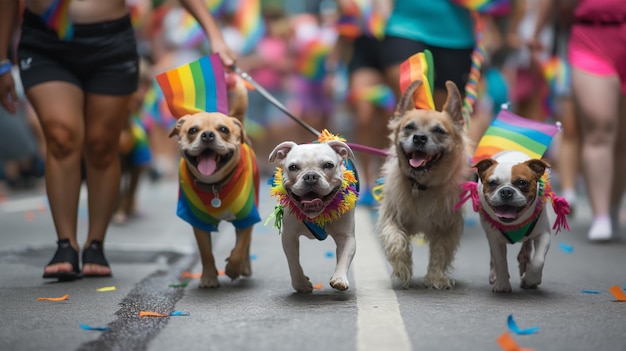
{"x":239,"y":197}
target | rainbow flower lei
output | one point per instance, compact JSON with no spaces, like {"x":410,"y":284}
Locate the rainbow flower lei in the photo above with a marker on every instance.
{"x":344,"y":201}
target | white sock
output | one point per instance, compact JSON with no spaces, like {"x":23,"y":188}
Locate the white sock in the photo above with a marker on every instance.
{"x":600,"y":228}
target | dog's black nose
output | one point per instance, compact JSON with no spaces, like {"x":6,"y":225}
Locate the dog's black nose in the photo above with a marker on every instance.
{"x":506,"y":193}
{"x":311,"y":177}
{"x":420,"y":139}
{"x":207,"y":136}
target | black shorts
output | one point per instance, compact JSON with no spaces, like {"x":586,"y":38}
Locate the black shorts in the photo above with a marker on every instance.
{"x":450,"y":64}
{"x":101,"y":58}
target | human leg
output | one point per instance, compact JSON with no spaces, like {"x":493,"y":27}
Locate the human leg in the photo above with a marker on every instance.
{"x":59,"y":107}
{"x":105,"y":118}
{"x":619,"y":175}
{"x":597,"y":99}
{"x":568,"y":163}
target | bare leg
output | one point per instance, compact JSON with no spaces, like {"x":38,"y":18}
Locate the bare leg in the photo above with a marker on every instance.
{"x":59,"y":107}
{"x":105,"y":118}
{"x":569,"y":150}
{"x":597,"y":101}
{"x":619,"y":177}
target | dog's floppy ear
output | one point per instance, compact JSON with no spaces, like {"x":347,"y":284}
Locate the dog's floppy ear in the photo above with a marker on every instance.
{"x":453,"y":104}
{"x":281,"y":150}
{"x":538,"y":166}
{"x":483,"y":165}
{"x":178,"y":126}
{"x":341,"y":148}
{"x":406,"y":101}
{"x":242,"y":133}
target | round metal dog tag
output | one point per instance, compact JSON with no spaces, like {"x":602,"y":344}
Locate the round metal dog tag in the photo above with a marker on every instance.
{"x":216,"y":202}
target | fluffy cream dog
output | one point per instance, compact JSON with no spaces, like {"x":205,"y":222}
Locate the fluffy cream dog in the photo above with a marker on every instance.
{"x":423,"y":175}
{"x":318,"y":196}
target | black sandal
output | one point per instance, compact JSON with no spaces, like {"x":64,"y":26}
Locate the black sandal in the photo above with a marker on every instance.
{"x":65,"y":253}
{"x":95,"y":255}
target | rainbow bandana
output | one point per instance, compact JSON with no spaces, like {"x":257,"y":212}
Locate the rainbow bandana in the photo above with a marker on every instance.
{"x":235,"y":201}
{"x":344,"y":201}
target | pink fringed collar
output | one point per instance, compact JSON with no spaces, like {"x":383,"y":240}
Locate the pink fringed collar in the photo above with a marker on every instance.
{"x":559,"y":205}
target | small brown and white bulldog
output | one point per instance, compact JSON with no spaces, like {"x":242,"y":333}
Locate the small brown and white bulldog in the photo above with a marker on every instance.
{"x":423,"y":177}
{"x":313,"y":180}
{"x":218,"y":176}
{"x":513,"y":208}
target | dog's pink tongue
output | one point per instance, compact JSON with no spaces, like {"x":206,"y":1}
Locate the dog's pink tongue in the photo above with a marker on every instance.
{"x":314,"y":205}
{"x":417,"y":161}
{"x":507,"y":213}
{"x":207,"y":164}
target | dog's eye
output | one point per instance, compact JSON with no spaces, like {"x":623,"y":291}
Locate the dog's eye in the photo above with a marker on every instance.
{"x":521,"y":183}
{"x":224,"y":130}
{"x":410,"y":127}
{"x":192,"y":130}
{"x":329,"y":165}
{"x":492,"y":183}
{"x":293,"y":167}
{"x":439,"y":130}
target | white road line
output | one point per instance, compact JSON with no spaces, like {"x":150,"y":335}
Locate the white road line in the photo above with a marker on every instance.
{"x":379,"y":323}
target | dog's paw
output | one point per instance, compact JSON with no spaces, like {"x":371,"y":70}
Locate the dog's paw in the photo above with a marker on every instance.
{"x":302,"y":285}
{"x":499,"y":287}
{"x":246,"y":268}
{"x":530,"y":281}
{"x":340,"y":283}
{"x":206,"y":282}
{"x":438,"y":281}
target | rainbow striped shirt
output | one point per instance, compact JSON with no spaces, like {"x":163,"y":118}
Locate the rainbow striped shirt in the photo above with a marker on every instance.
{"x":239,"y":197}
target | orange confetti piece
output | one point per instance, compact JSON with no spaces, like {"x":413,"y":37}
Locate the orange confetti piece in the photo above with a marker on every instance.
{"x":507,"y":343}
{"x":152,"y":314}
{"x":618,"y":293}
{"x":220,"y":272}
{"x":62,"y":298}
{"x":191,"y":275}
{"x":29,"y":215}
{"x":318,"y":286}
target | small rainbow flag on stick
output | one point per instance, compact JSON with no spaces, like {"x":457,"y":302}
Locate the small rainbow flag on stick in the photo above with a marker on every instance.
{"x":198,"y":86}
{"x":419,"y":67}
{"x":310,"y":61}
{"x":57,"y":18}
{"x":249,"y":21}
{"x":509,"y":131}
{"x":380,"y":95}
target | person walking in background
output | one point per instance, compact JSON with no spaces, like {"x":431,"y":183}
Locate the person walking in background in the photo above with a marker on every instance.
{"x":79,"y":77}
{"x":597,"y":54}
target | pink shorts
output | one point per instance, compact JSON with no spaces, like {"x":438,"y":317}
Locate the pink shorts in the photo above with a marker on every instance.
{"x":599,"y":49}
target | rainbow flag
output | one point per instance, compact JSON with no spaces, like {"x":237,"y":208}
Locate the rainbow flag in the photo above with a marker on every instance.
{"x":140,"y":154}
{"x":310,"y":61}
{"x":359,"y":17}
{"x":239,"y":197}
{"x":57,"y":18}
{"x":380,"y":95}
{"x":217,"y":7}
{"x":490,"y":7}
{"x":199,"y":86}
{"x":250,"y":23}
{"x":419,"y":67}
{"x":509,"y":131}
{"x":556,"y":72}
{"x":348,"y":26}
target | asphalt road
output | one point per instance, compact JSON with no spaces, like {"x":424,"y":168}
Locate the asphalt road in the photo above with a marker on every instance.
{"x":263,"y":313}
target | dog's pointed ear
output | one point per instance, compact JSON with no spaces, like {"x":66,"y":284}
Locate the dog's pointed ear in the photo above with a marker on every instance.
{"x":178,"y":126}
{"x":483,"y":165}
{"x":538,"y":166}
{"x":406,"y":101}
{"x":454,"y":104}
{"x":342,"y":149}
{"x":281,"y":150}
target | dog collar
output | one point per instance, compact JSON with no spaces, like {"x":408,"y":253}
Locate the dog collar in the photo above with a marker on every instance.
{"x":344,"y":201}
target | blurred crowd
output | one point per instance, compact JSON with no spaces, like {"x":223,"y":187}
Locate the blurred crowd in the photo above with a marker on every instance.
{"x":304,"y":60}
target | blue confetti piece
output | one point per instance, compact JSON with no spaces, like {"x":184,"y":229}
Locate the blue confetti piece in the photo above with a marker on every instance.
{"x":329,"y":254}
{"x":566,"y":248}
{"x":179,"y":313}
{"x":515,"y":329}
{"x":587,"y":291}
{"x":252,"y":257}
{"x":89,"y":327}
